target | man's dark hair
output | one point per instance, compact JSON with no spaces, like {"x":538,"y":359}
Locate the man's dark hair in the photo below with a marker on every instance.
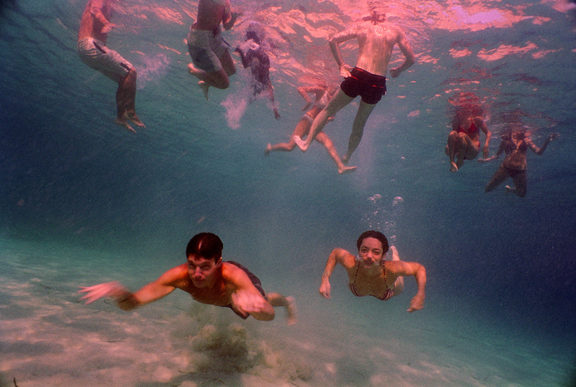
{"x":205,"y":245}
{"x":376,"y":235}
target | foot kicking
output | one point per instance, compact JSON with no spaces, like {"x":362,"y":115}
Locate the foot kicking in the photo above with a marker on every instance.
{"x":291,"y":310}
{"x":205,"y":87}
{"x":453,"y":167}
{"x":346,"y":169}
{"x":199,"y":74}
{"x":394,"y":251}
{"x":134,"y":118}
{"x":268,"y":149}
{"x":300,"y":143}
{"x":124,"y":122}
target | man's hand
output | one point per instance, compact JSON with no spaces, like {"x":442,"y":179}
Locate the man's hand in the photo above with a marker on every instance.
{"x":247,"y":303}
{"x":108,"y":27}
{"x":106,"y":289}
{"x":345,"y":71}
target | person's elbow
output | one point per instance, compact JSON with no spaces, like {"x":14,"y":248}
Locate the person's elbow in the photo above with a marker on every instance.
{"x":410,"y":60}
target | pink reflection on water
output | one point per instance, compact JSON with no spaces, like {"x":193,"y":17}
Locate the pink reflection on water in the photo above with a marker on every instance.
{"x":504,"y":50}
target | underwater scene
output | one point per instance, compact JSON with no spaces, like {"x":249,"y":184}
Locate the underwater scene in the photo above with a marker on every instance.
{"x":92,"y":193}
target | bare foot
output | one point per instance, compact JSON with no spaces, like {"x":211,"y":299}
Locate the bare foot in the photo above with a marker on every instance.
{"x":268,"y":149}
{"x":205,"y":87}
{"x":291,"y":310}
{"x":345,"y":169}
{"x":453,"y":167}
{"x":135,"y":120}
{"x":193,"y":70}
{"x":509,"y":189}
{"x":395,"y":256}
{"x":300,"y":143}
{"x":123,"y":122}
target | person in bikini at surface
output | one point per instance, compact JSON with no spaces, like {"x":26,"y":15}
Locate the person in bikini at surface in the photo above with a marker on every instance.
{"x":94,"y":28}
{"x":211,"y":60}
{"x":208,"y":279}
{"x":370,"y":275}
{"x":464,"y":139}
{"x":376,"y":39}
{"x":321,"y":95}
{"x":515,"y":144}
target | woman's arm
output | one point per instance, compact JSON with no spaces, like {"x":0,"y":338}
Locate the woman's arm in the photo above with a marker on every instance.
{"x":416,"y":270}
{"x":540,"y":150}
{"x":336,"y":256}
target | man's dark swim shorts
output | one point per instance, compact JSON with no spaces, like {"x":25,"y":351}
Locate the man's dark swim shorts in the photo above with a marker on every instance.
{"x":369,"y":86}
{"x":255,"y":281}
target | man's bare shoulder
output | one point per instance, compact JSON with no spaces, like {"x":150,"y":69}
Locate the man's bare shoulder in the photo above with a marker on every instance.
{"x":231,"y":272}
{"x":395,"y":29}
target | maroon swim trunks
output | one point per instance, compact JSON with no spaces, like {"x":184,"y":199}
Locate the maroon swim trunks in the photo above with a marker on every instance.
{"x":369,"y":86}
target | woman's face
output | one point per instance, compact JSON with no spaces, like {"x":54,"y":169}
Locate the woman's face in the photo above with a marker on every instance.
{"x":370,"y":252}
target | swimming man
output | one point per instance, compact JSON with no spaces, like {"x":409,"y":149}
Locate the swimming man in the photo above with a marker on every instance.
{"x":211,"y":60}
{"x":208,"y":279}
{"x":376,"y":39}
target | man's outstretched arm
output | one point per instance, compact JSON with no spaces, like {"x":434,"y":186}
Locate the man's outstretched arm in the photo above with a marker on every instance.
{"x":127,"y":300}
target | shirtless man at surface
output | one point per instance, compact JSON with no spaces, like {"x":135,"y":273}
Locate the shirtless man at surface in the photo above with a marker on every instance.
{"x":94,"y":28}
{"x":376,"y":39}
{"x":211,"y":60}
{"x":207,"y":279}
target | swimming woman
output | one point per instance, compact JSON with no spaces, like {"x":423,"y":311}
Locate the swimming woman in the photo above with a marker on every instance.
{"x":515,"y":144}
{"x":464,"y":140}
{"x":370,"y":275}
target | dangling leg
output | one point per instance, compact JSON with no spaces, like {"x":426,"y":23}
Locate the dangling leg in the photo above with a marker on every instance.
{"x":130,"y":86}
{"x":329,"y":145}
{"x":499,"y":176}
{"x":277,"y":299}
{"x":364,"y":111}
{"x":336,"y":103}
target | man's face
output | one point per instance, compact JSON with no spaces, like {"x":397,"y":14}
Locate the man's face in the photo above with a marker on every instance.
{"x":202,"y":270}
{"x":370,"y":252}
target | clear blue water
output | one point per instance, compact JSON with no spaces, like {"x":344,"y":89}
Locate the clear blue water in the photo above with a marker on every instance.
{"x":83,"y":201}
